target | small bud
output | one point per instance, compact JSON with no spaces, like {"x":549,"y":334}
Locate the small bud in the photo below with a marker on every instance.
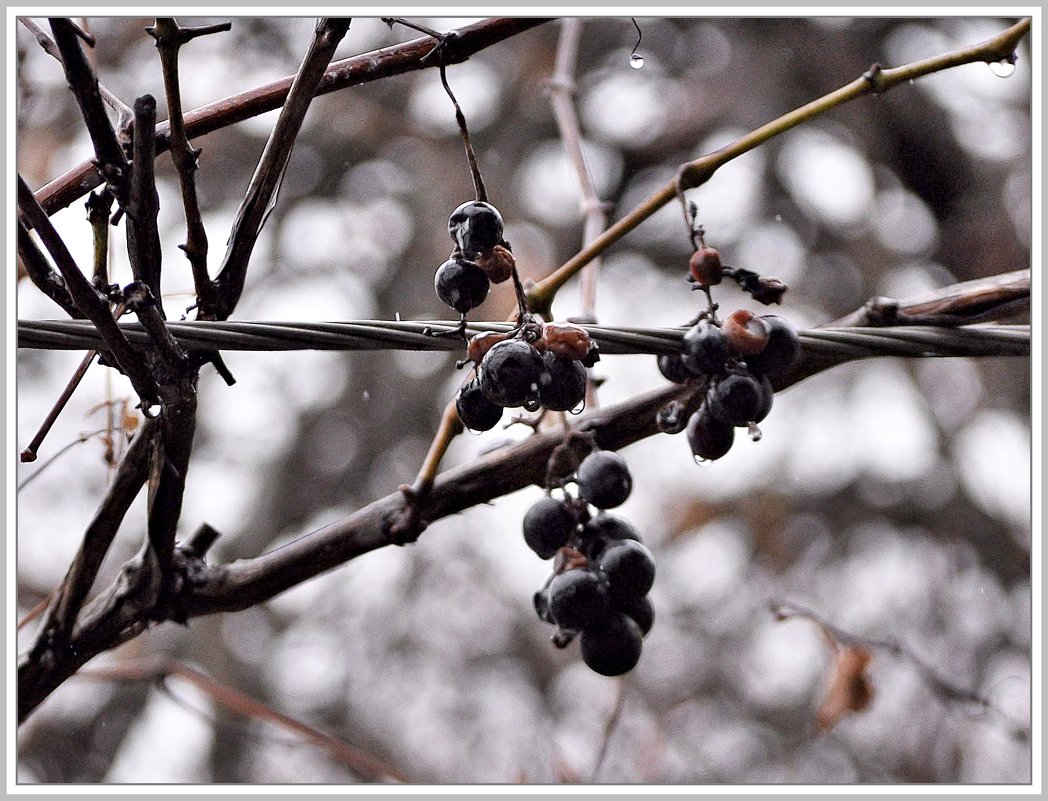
{"x":769,"y":290}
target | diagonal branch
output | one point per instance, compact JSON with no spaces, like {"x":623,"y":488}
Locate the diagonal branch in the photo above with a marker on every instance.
{"x":90,"y":302}
{"x":109,"y":157}
{"x":43,"y":275}
{"x":261,"y":192}
{"x":134,"y":468}
{"x":367,"y":67}
{"x":696,"y":173}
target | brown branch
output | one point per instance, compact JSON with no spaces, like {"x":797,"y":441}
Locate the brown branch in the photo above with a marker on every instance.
{"x":109,"y":157}
{"x":367,"y":67}
{"x":126,"y":608}
{"x":99,"y":205}
{"x":143,"y":237}
{"x":29,"y":453}
{"x":91,"y":303}
{"x":43,"y":275}
{"x":170,"y":37}
{"x":261,"y":192}
{"x":159,"y":668}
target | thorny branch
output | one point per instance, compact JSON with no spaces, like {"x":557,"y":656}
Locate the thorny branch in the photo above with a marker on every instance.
{"x":43,"y":275}
{"x":143,"y":236}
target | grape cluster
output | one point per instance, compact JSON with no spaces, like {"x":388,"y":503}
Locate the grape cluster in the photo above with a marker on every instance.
{"x":734,"y":356}
{"x":480,"y":257}
{"x":602,"y":572}
{"x":539,"y":364}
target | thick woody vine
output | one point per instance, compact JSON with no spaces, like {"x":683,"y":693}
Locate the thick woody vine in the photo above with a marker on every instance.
{"x":595,"y":553}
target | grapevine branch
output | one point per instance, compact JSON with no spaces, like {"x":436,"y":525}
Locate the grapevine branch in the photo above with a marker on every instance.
{"x":130,"y":603}
{"x":696,"y":173}
{"x":367,"y":67}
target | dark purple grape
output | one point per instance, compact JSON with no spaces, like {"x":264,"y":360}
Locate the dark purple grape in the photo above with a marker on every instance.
{"x":736,"y":398}
{"x":541,"y":601}
{"x":510,"y":372}
{"x":705,"y":349}
{"x":547,"y":526}
{"x":461,"y":284}
{"x":562,"y":386}
{"x":578,"y":599}
{"x":628,"y":567}
{"x":640,"y":609}
{"x":604,"y":479}
{"x":782,"y":350}
{"x":672,"y":367}
{"x":475,"y":411}
{"x":603,"y":529}
{"x":475,"y":227}
{"x":708,"y":437}
{"x":613,"y":647}
{"x":769,"y":396}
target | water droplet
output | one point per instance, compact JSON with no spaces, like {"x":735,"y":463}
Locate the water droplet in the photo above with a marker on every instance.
{"x":778,"y":218}
{"x":754,"y":432}
{"x":580,"y":408}
{"x":636,"y":61}
{"x":365,"y":395}
{"x":700,"y":461}
{"x":912,"y":81}
{"x":1002,"y":69}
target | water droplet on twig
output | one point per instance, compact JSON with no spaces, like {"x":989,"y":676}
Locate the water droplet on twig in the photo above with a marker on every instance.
{"x":1002,"y":69}
{"x":636,"y":61}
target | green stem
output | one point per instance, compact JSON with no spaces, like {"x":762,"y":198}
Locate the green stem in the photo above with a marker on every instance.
{"x":695,"y":173}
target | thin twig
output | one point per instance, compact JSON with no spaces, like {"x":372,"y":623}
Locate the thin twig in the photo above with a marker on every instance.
{"x":367,"y":67}
{"x":160,"y":668}
{"x":609,"y":728}
{"x":260,"y":193}
{"x":169,"y":38}
{"x":99,"y":205}
{"x":29,"y":453}
{"x":944,"y":689}
{"x":695,"y":173}
{"x":61,"y":451}
{"x":93,"y":305}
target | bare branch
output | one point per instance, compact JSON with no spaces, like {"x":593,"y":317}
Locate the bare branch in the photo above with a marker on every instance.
{"x":54,"y":634}
{"x":83,"y":82}
{"x":257,"y":201}
{"x":169,"y":38}
{"x":43,"y":275}
{"x":361,"y":69}
{"x":143,"y":237}
{"x":93,"y":305}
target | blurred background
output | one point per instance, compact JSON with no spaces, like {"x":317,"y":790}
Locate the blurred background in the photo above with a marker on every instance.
{"x":892,"y":497}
